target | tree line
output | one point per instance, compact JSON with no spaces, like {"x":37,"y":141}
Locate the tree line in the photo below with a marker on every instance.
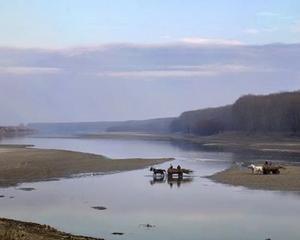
{"x":278,"y":112}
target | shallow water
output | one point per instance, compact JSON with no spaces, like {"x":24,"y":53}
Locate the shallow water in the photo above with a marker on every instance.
{"x":194,"y":209}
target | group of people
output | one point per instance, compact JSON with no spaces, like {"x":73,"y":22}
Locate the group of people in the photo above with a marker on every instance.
{"x":178,"y":167}
{"x":267,"y":164}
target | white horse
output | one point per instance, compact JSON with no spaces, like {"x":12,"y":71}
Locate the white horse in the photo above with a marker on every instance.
{"x":256,"y":169}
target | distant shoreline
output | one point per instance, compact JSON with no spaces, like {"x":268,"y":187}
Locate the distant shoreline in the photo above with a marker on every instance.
{"x":288,"y":180}
{"x":229,"y":141}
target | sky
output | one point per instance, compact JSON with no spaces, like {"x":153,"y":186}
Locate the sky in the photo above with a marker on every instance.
{"x":93,"y":60}
{"x":65,"y":23}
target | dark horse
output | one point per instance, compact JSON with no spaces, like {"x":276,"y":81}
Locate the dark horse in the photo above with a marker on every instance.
{"x":157,"y":171}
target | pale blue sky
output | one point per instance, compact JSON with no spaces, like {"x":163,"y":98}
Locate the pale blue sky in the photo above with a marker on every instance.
{"x":89,"y":60}
{"x":67,"y":23}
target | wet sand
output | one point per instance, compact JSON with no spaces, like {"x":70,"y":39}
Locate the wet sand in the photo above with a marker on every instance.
{"x":287,"y":180}
{"x":18,"y":165}
{"x":17,"y":230}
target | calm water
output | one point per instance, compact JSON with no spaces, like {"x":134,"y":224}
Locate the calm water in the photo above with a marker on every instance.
{"x":194,"y":209}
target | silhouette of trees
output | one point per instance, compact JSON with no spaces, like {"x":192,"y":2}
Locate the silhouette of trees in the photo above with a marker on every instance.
{"x":271,"y":113}
{"x":278,"y":112}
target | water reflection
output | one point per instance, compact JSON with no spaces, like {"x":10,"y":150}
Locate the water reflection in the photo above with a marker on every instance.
{"x":178,"y":181}
{"x":201,"y":210}
{"x":157,"y":179}
{"x":172,"y":181}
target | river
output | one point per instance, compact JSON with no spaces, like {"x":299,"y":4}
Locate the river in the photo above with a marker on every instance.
{"x":195,"y":208}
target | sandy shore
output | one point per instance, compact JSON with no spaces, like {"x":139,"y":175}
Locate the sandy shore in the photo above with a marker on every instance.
{"x":17,"y":230}
{"x":287,"y":180}
{"x":18,"y":165}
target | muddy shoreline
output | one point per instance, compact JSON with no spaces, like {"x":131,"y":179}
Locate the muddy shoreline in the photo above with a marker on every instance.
{"x":288,"y":180}
{"x":18,"y":230}
{"x":21,"y":164}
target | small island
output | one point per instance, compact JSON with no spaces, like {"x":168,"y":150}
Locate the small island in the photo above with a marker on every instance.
{"x":19,"y":164}
{"x":287,"y":180}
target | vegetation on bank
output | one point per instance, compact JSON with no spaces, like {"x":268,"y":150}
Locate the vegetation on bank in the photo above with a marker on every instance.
{"x":274,"y":113}
{"x":278,"y":112}
{"x":204,"y":122}
{"x":14,"y":131}
{"x":159,"y":125}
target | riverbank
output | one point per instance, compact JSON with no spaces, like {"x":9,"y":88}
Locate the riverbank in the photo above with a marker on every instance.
{"x":287,"y":180}
{"x":19,"y":164}
{"x":266,"y":144}
{"x":15,"y":131}
{"x":18,"y":230}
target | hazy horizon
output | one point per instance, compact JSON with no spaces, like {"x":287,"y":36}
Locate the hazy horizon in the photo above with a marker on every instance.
{"x":80,"y":61}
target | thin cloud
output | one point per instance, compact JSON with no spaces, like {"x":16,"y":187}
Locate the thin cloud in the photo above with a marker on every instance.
{"x":251,"y":31}
{"x":82,"y":84}
{"x":29,"y":70}
{"x":255,"y":31}
{"x":268,"y":14}
{"x":181,"y":60}
{"x":185,"y":71}
{"x":211,"y":41}
{"x":295,"y":28}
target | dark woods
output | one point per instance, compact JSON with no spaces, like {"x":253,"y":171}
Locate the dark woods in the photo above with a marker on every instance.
{"x":278,"y":112}
{"x":271,"y":113}
{"x":14,"y":131}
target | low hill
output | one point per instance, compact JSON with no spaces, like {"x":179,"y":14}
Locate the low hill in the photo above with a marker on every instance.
{"x":278,"y":112}
{"x":159,"y":125}
{"x":204,"y":122}
{"x":9,"y":131}
{"x":71,"y":128}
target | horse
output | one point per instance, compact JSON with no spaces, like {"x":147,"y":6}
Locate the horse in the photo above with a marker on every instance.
{"x":256,"y":169}
{"x":157,"y":171}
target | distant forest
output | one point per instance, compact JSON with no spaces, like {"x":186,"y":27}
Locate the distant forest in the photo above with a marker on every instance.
{"x":278,"y":112}
{"x":159,"y":125}
{"x":14,"y":131}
